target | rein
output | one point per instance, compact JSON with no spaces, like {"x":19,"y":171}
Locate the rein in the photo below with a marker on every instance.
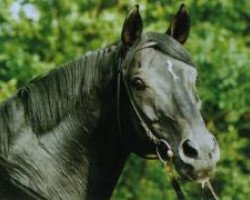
{"x":162,"y":147}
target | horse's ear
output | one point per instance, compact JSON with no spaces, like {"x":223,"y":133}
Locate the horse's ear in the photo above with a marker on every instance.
{"x":180,"y":25}
{"x":132,"y":27}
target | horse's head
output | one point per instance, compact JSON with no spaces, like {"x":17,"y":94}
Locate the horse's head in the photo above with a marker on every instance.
{"x":160,"y":80}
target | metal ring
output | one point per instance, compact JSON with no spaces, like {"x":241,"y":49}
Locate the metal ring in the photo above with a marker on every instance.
{"x":169,"y":151}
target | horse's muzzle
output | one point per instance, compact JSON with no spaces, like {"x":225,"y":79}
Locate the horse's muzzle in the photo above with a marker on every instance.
{"x":199,"y":156}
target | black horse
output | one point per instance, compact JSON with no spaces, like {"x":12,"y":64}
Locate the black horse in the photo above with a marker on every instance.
{"x":68,"y":134}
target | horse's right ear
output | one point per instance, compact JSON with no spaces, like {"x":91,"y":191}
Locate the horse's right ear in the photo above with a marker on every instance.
{"x":132,"y":27}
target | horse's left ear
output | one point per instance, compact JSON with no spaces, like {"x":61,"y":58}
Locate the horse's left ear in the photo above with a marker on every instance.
{"x":132,"y":27}
{"x":180,"y":25}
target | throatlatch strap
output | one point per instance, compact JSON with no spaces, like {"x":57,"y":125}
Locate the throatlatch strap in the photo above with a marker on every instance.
{"x":118,"y":102}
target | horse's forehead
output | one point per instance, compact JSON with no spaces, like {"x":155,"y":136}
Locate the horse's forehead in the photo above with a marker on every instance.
{"x":178,"y":69}
{"x":183,"y":70}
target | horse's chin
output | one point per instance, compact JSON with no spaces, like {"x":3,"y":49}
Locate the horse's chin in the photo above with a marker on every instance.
{"x":198,"y":176}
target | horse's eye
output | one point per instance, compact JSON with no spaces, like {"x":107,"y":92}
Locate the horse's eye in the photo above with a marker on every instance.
{"x":138,"y":84}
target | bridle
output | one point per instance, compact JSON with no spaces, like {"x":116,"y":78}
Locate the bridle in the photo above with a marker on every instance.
{"x":163,"y":150}
{"x":152,"y":138}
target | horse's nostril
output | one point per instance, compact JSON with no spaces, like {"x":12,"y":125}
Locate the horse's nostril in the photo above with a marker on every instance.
{"x":189,"y":150}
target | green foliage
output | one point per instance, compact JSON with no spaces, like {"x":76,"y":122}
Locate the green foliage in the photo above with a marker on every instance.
{"x":219,"y":44}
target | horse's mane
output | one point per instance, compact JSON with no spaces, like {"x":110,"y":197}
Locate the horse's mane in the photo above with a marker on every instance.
{"x":50,"y":98}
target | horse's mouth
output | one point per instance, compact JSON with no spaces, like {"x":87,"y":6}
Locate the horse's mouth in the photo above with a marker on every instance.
{"x":199,"y":176}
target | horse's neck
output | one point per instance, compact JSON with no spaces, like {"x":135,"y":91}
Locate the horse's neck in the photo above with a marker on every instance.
{"x":107,"y":156}
{"x":80,"y":157}
{"x":106,"y":151}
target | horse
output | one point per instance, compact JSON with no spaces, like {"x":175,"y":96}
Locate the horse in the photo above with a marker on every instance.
{"x":68,"y":134}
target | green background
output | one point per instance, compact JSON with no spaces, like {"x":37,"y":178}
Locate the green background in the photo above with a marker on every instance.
{"x":219,"y":44}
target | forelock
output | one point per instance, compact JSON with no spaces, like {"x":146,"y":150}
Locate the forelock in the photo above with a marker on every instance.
{"x":165,"y":44}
